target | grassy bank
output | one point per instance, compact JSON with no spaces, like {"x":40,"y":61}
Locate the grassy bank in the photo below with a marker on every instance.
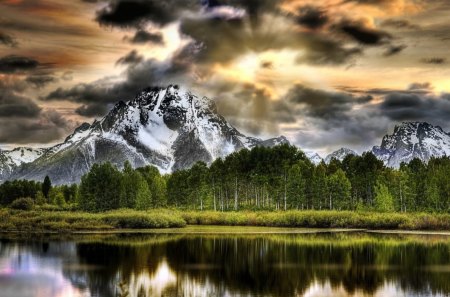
{"x":35,"y":221}
{"x":66,"y":221}
{"x":322,"y":219}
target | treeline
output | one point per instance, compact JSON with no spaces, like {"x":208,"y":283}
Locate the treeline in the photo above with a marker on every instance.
{"x":279,"y":178}
{"x":23,"y":194}
{"x":283,"y":178}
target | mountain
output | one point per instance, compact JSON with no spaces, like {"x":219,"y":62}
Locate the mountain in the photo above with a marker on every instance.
{"x":11,"y":160}
{"x":413,"y":140}
{"x":340,"y":155}
{"x":169,"y":128}
{"x":313,"y":157}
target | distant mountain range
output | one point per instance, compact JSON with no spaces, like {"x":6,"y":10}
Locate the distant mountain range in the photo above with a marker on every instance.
{"x":172,"y":129}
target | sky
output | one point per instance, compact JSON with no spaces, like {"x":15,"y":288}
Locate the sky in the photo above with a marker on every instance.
{"x":325,"y":73}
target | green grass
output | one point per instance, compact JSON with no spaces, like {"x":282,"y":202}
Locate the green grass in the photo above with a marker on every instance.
{"x":13,"y":220}
{"x":67,"y":221}
{"x":322,"y":219}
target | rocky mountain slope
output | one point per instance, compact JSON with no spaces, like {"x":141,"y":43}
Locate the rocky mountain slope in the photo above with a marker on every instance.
{"x":169,"y":128}
{"x":413,"y":140}
{"x":340,"y":154}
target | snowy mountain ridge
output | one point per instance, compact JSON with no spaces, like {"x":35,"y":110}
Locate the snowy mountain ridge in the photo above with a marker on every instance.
{"x":413,"y":140}
{"x":172,"y":129}
{"x":340,"y":155}
{"x":169,"y":128}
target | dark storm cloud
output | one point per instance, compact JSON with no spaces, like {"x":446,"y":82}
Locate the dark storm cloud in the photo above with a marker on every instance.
{"x":142,"y":36}
{"x":312,"y":17}
{"x":131,"y":58}
{"x":365,"y":125}
{"x":435,"y":61}
{"x":415,"y":107}
{"x":322,"y":104}
{"x":17,"y":64}
{"x":23,"y":121}
{"x":255,"y":9}
{"x":14,"y":105}
{"x":107,"y":91}
{"x":394,"y":50}
{"x":48,"y":126}
{"x":330,"y":118}
{"x":362,"y":34}
{"x":130,"y":13}
{"x":40,"y":81}
{"x":7,"y":40}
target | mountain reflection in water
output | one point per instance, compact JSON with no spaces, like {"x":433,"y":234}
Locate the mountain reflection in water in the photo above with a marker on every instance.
{"x":332,"y":264}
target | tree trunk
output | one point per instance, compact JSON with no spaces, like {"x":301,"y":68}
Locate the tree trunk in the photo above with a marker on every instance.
{"x":214,"y":194}
{"x":236,"y":194}
{"x":285,"y":191}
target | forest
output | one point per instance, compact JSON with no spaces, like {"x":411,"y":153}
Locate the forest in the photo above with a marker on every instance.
{"x":279,"y":178}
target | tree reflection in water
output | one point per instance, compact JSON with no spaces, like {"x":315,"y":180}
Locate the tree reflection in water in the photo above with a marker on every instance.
{"x":334,"y":264}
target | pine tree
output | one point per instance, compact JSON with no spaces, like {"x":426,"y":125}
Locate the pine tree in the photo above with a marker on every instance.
{"x":46,"y":186}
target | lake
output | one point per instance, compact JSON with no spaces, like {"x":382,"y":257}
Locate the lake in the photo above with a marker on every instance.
{"x":246,"y":264}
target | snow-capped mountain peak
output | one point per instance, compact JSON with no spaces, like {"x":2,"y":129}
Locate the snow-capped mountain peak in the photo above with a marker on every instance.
{"x":340,"y":154}
{"x":9,"y":160}
{"x":170,"y":128}
{"x":314,"y":157}
{"x":413,"y":140}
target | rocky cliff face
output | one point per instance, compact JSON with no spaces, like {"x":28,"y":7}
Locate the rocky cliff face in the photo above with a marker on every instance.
{"x":413,"y":140}
{"x":169,"y":128}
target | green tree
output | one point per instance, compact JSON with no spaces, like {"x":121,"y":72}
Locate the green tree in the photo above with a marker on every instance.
{"x":46,"y":186}
{"x":40,"y":198}
{"x":130,"y":179}
{"x":157,"y":185}
{"x":101,"y":188}
{"x":320,"y":187}
{"x":59,"y":199}
{"x":143,"y":194}
{"x":384,"y":201}
{"x":296,"y":186}
{"x":339,"y":191}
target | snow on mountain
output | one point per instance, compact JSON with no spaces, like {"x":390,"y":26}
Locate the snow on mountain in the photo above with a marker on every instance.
{"x":10,"y":160}
{"x":413,"y":140}
{"x":22,"y":155}
{"x":340,"y":155}
{"x":169,"y":128}
{"x":313,"y":157}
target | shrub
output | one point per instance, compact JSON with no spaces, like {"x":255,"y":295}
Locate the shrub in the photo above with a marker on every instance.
{"x":23,"y":204}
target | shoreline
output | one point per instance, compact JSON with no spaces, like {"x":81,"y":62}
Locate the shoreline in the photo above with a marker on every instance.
{"x":251,"y":222}
{"x":227,"y":230}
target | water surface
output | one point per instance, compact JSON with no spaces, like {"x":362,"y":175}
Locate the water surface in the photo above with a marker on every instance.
{"x":323,"y":264}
